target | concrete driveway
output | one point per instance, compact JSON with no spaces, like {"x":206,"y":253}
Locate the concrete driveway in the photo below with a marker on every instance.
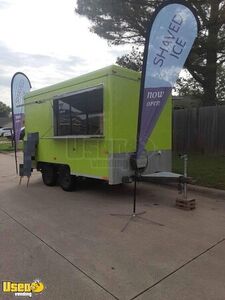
{"x":75,"y":246}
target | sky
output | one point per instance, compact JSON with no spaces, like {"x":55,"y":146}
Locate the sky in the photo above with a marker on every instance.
{"x":49,"y":42}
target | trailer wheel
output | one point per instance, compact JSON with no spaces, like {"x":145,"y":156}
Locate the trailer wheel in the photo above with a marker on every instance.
{"x":49,"y":175}
{"x":66,"y":180}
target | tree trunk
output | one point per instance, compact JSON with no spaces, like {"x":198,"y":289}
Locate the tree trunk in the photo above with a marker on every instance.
{"x":210,"y":97}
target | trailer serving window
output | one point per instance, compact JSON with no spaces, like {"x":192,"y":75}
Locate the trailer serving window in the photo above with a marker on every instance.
{"x":79,"y":113}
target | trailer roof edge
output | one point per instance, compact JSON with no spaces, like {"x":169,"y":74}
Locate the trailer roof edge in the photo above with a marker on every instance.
{"x":110,"y":70}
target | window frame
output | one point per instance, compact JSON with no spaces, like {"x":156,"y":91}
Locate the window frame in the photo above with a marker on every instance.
{"x":57,"y":98}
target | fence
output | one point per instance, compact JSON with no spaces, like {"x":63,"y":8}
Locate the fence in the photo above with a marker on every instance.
{"x":199,"y":130}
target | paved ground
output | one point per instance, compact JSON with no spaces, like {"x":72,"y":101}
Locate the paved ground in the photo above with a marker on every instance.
{"x":72,"y":243}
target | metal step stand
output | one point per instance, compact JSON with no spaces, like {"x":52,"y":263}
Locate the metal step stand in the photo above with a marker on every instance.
{"x":184,"y":202}
{"x":30,"y":145}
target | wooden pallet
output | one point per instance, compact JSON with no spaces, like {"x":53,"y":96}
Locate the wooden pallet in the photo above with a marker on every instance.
{"x":186,"y":204}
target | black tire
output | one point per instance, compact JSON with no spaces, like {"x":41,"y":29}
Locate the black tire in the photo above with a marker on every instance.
{"x":66,"y":180}
{"x":49,"y":175}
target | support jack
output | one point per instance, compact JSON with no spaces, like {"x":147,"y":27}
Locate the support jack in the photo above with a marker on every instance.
{"x":184,"y":202}
{"x":28,"y":180}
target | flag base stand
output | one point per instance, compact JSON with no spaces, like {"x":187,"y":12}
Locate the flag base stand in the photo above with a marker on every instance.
{"x":135,"y":216}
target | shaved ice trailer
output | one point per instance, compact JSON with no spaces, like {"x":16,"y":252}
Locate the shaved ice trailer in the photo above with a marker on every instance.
{"x":87,"y":127}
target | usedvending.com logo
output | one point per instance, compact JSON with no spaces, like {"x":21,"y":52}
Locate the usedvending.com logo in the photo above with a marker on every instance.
{"x":23,"y":289}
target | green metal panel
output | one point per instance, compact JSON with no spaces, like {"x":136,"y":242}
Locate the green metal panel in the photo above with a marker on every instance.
{"x":84,"y":156}
{"x":125,"y":93}
{"x":89,"y":156}
{"x":125,"y":105}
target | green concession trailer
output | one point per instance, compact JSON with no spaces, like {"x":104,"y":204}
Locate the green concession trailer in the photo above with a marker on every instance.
{"x":87,"y":127}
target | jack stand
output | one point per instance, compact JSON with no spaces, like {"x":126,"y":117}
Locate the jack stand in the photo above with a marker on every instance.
{"x":28,"y":180}
{"x":184,"y":202}
{"x":21,"y":177}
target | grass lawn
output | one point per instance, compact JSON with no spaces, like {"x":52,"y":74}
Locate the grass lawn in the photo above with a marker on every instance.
{"x":206,"y":170}
{"x":6,"y":145}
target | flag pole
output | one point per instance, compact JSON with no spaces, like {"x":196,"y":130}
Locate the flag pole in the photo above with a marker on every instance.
{"x":160,"y":70}
{"x":13,"y":134}
{"x":15,"y":154}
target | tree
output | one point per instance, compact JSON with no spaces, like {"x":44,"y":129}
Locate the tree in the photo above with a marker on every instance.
{"x":122,"y":22}
{"x":220,"y":88}
{"x":186,"y":85}
{"x":4,"y":110}
{"x":132,"y":60}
